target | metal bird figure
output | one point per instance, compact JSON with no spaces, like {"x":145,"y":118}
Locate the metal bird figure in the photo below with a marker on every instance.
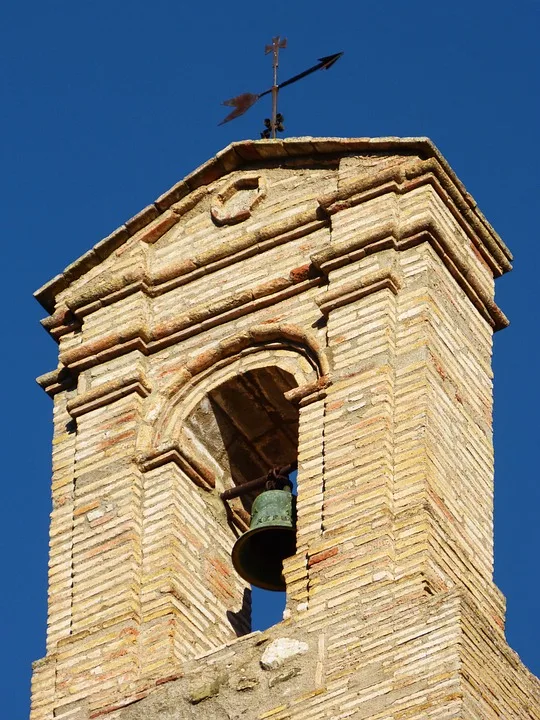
{"x":242,"y":103}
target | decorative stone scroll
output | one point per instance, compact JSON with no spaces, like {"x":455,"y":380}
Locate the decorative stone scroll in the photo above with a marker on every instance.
{"x":236,"y":201}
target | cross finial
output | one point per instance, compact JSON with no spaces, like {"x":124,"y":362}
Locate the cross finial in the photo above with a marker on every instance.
{"x":277,"y":45}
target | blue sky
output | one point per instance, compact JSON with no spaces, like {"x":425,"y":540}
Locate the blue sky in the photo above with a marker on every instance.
{"x":107,"y":104}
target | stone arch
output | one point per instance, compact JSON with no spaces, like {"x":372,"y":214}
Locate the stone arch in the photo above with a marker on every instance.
{"x":279,"y":345}
{"x":181,"y":465}
{"x":198,"y":416}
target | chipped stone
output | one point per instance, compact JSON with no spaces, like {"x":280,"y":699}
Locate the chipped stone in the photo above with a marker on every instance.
{"x":99,"y":512}
{"x":203,"y":689}
{"x":246,"y":683}
{"x":281,"y":650}
{"x":284,"y":676}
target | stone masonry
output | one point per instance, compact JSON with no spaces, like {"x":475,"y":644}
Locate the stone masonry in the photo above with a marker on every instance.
{"x":326,"y":300}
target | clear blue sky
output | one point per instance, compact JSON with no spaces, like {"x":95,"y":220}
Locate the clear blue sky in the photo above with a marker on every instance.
{"x":107,"y":104}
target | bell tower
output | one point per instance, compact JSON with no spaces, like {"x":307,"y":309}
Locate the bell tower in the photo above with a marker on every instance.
{"x":326,"y":302}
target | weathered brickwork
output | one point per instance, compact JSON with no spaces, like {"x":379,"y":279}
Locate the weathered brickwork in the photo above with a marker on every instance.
{"x":321,"y":300}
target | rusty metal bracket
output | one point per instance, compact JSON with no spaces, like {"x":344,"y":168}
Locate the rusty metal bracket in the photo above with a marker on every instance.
{"x":275,"y":479}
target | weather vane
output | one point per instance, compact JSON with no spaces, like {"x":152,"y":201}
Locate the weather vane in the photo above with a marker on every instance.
{"x":242,"y":103}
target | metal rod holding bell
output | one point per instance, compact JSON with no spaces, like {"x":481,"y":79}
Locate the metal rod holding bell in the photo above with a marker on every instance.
{"x":260,"y":482}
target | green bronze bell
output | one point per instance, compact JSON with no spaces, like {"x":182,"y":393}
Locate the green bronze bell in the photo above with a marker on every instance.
{"x":259,"y":553}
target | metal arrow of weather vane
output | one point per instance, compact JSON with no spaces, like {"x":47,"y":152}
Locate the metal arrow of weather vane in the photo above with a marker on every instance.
{"x":242,"y":103}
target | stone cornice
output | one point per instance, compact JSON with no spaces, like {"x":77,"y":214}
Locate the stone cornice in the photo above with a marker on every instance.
{"x":199,"y":473}
{"x":159,"y":216}
{"x":201,"y":318}
{"x":173,"y":275}
{"x":57,"y":381}
{"x":407,"y":177}
{"x":107,"y":393}
{"x":418,"y":232}
{"x":399,"y":180}
{"x":152,"y":339}
{"x":356,"y":289}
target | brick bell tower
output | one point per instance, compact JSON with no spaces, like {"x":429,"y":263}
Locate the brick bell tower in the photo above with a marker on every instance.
{"x":327,"y":301}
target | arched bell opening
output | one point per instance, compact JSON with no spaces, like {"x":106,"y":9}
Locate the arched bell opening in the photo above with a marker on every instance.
{"x":243,"y":429}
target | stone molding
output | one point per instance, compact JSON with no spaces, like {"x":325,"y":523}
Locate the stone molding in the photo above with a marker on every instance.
{"x":56,"y":381}
{"x":148,"y":340}
{"x":229,"y":350}
{"x":304,"y":394}
{"x":156,"y":283}
{"x":199,"y":473}
{"x":414,"y":233}
{"x":409,"y":176}
{"x":390,"y":236}
{"x":189,"y":191}
{"x":357,"y":289}
{"x":221,"y":215}
{"x":107,"y":393}
{"x":199,"y":319}
{"x":257,"y":335}
{"x":398,"y":180}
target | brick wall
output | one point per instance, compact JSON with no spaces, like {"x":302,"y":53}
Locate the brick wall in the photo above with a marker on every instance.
{"x":330,"y":301}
